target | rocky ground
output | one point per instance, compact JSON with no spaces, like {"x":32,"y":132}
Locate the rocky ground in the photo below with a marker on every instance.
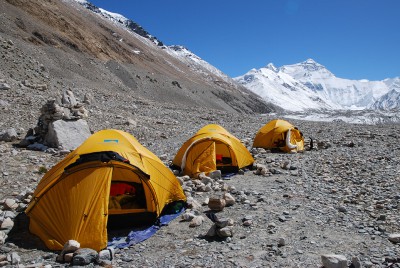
{"x":341,"y":198}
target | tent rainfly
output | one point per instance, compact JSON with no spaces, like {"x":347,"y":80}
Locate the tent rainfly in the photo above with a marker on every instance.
{"x":212,"y":148}
{"x":110,"y":175}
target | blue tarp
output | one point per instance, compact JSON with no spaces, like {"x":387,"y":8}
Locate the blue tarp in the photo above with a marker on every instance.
{"x":227,"y":176}
{"x":140,"y":234}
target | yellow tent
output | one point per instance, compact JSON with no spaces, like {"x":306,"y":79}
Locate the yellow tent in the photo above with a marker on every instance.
{"x":110,"y":174}
{"x":279,"y":134}
{"x":212,"y":148}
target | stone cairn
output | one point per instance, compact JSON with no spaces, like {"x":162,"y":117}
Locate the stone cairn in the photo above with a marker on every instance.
{"x":213,"y":183}
{"x":73,"y":254}
{"x":67,"y":109}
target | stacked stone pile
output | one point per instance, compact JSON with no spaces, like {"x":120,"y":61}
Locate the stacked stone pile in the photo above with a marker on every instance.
{"x":74,"y":255}
{"x":60,"y":125}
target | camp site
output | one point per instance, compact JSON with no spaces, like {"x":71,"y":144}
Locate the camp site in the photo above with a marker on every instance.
{"x":199,"y":134}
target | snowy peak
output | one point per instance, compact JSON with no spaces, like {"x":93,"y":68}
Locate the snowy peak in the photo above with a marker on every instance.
{"x":306,"y":70}
{"x":389,"y":101}
{"x":272,"y":67}
{"x":309,"y":85}
{"x":121,"y":20}
{"x":311,"y":65}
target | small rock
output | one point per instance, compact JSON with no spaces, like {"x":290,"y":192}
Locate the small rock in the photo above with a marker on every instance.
{"x":215,"y":175}
{"x":221,"y":223}
{"x":71,"y":246}
{"x":196,"y":221}
{"x":394,"y":238}
{"x":105,"y":255}
{"x":14,"y":258}
{"x":229,"y":199}
{"x":247,"y":223}
{"x":355,"y":261}
{"x":217,"y":204}
{"x":334,"y":261}
{"x":3,"y":237}
{"x":9,"y":135}
{"x":84,"y":256}
{"x":342,"y":209}
{"x":4,"y":86}
{"x":225,"y":232}
{"x":212,"y":231}
{"x":188,"y":216}
{"x":281,"y":242}
{"x":7,"y":224}
{"x":10,"y":203}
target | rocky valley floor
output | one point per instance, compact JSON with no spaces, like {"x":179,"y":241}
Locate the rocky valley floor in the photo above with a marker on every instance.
{"x":342,"y":198}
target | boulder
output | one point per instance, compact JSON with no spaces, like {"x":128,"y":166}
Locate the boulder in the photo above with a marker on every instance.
{"x":67,"y":134}
{"x":8,"y":135}
{"x":334,"y":261}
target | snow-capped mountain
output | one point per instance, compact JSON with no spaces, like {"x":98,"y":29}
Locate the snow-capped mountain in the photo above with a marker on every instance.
{"x":204,"y":69}
{"x":282,"y":89}
{"x":120,"y":19}
{"x":390,"y":100}
{"x":297,"y":87}
{"x":309,"y":85}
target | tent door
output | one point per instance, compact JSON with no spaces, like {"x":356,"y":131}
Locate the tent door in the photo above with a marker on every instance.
{"x":128,"y":202}
{"x":226,"y":160}
{"x":201,"y":158}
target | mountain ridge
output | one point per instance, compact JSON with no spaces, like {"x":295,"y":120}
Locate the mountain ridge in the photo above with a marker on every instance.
{"x":319,"y":87}
{"x":104,"y":58}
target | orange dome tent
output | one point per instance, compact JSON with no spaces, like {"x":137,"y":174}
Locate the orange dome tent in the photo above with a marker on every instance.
{"x":212,"y":148}
{"x":279,"y":134}
{"x":110,"y":174}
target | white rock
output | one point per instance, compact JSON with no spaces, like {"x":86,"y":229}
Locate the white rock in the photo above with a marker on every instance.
{"x":71,"y":246}
{"x":188,"y":216}
{"x":14,"y":258}
{"x":105,"y":254}
{"x":7,"y":224}
{"x":11,"y":203}
{"x":229,"y":199}
{"x":3,"y":237}
{"x":67,"y":134}
{"x":394,"y":238}
{"x":9,"y":135}
{"x":334,"y":261}
{"x":196,"y":221}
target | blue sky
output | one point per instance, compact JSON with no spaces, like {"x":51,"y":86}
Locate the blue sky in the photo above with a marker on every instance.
{"x":354,"y":39}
